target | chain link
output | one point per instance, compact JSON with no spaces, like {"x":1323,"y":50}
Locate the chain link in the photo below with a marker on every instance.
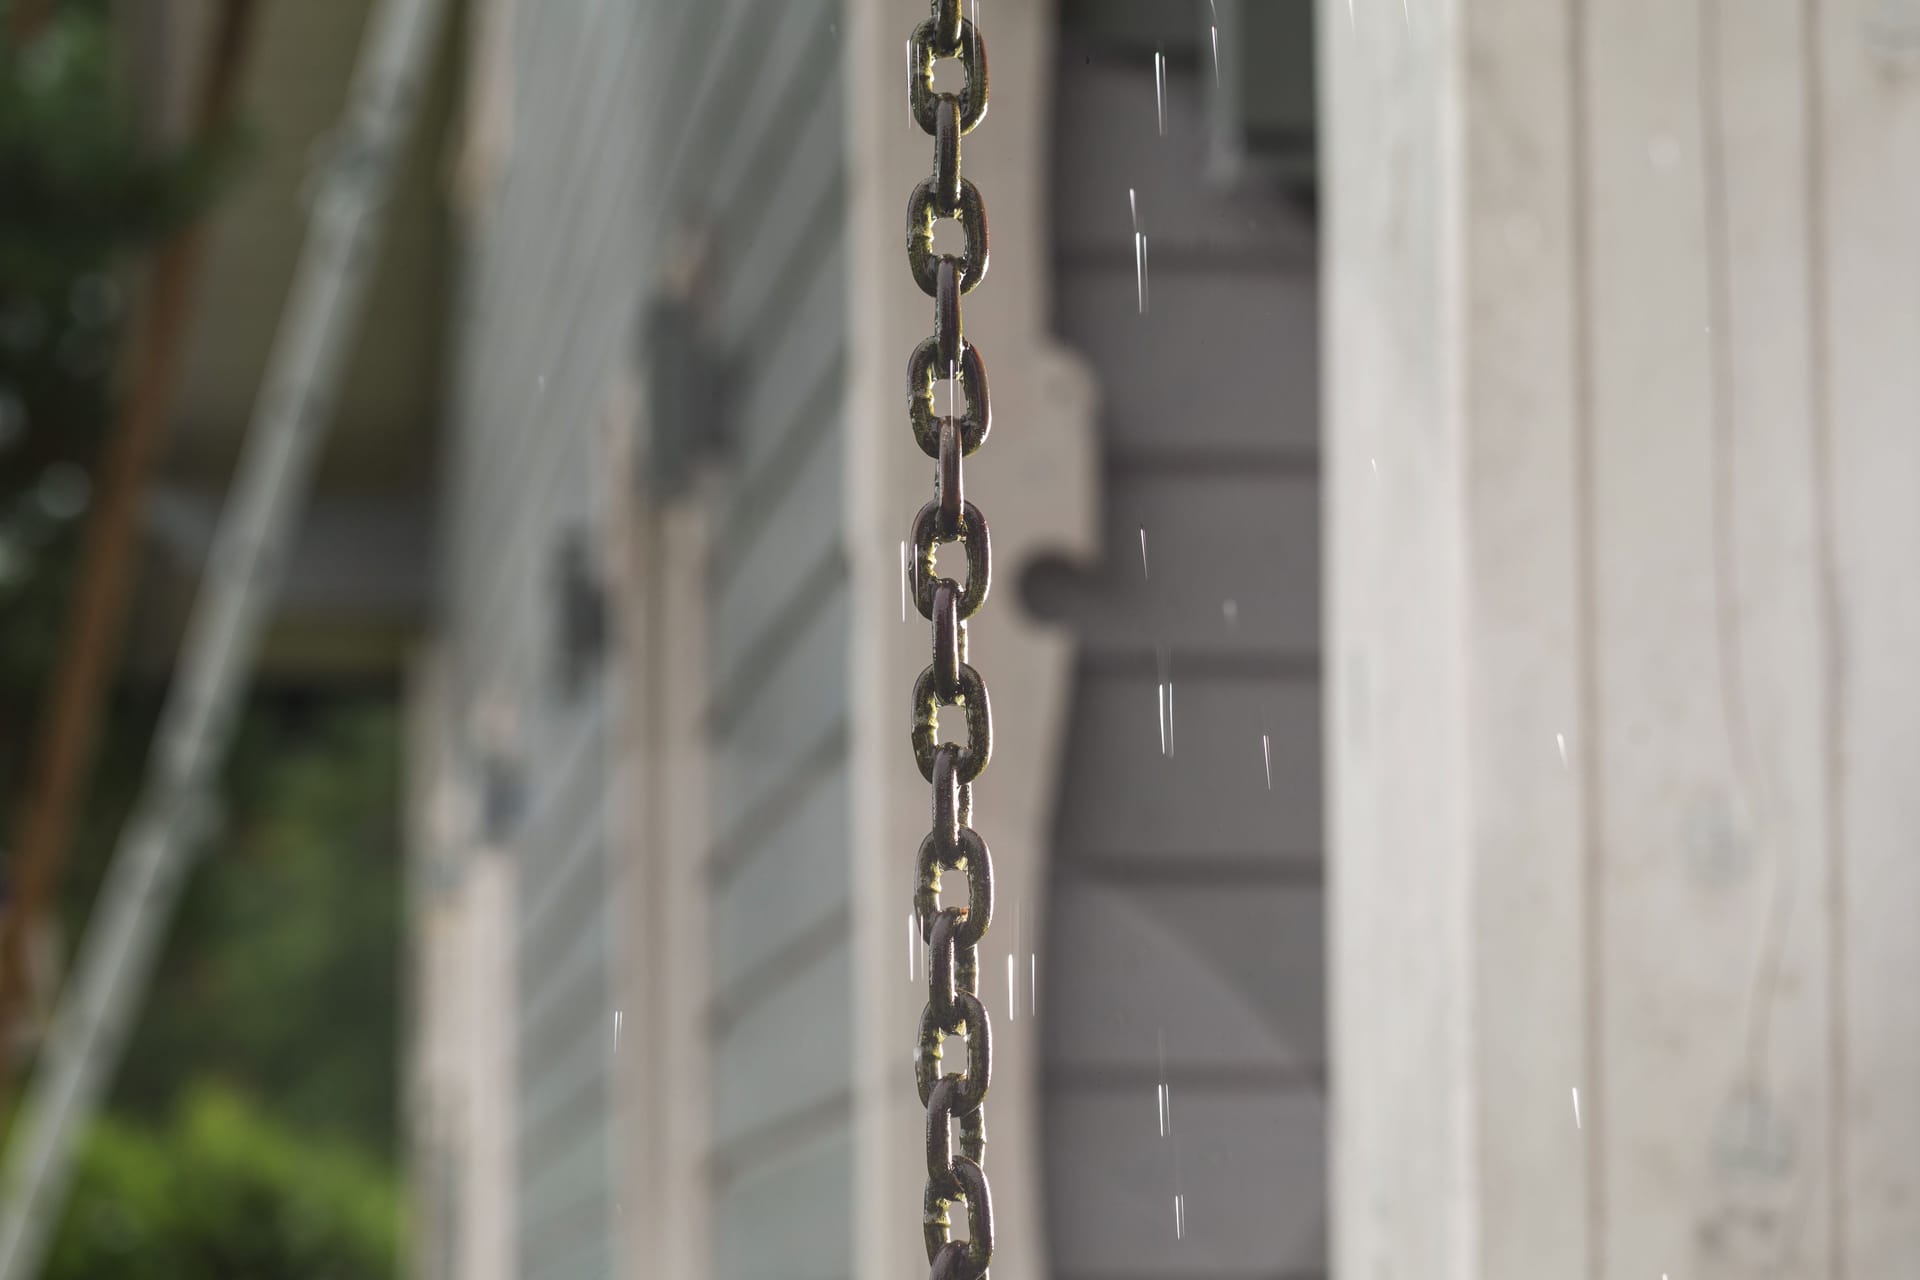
{"x":952,"y":934}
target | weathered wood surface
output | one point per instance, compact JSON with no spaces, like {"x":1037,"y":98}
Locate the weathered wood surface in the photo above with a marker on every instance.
{"x":1619,"y":390}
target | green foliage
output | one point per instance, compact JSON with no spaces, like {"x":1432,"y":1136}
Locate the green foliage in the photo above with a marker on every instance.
{"x":255,"y":1111}
{"x":81,"y":181}
{"x":282,"y":972}
{"x":224,"y":1191}
{"x":81,"y":186}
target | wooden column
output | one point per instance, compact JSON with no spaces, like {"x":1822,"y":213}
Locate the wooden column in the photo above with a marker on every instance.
{"x":1624,"y":718}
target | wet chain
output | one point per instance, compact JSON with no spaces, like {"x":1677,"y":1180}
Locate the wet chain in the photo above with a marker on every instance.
{"x":952,"y":933}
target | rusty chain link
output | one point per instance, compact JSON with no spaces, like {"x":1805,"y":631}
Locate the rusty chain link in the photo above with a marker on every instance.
{"x":952,"y":934}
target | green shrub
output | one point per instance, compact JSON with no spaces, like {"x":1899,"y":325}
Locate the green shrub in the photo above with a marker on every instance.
{"x":225,"y":1192}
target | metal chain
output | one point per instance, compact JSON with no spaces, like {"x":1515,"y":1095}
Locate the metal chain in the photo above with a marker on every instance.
{"x":952,"y":934}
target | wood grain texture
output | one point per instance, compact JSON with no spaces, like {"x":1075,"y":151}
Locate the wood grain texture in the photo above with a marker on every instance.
{"x":1864,"y":193}
{"x":1674,"y":323}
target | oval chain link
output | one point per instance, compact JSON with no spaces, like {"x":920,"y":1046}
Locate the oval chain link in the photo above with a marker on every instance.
{"x":951,"y":933}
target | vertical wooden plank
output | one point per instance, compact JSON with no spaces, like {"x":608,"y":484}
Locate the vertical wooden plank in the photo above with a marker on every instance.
{"x":1521,"y":329}
{"x":1396,"y":729}
{"x":1666,"y":947}
{"x":1709,"y":1105}
{"x":1866,"y":199}
{"x":1770,"y":1161}
{"x":1665,"y":1041}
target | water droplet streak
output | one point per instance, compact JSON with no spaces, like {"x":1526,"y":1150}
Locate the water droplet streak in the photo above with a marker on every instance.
{"x":1160,"y":88}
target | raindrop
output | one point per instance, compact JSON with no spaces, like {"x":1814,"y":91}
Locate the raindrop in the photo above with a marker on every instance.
{"x":1162,"y":1094}
{"x":1033,"y":984}
{"x":1179,"y":1216}
{"x":1140,"y":272}
{"x":1576,"y":1107}
{"x":1216,"y":55}
{"x":1160,"y":88}
{"x":1560,"y":740}
{"x":617,"y":1019}
{"x":1145,"y":576}
{"x":1266,"y":758}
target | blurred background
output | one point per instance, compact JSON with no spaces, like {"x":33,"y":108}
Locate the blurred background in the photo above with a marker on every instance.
{"x":1453,"y":501}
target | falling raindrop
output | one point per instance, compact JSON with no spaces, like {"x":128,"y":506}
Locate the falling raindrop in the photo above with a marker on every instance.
{"x":1146,"y":276}
{"x":1160,"y":88}
{"x":617,"y":1017}
{"x":1162,"y":1095}
{"x":1560,"y":740}
{"x":1576,"y":1107}
{"x":1216,"y":54}
{"x":1266,"y":758}
{"x":1145,"y":576}
{"x":1160,"y":705}
{"x":1139,"y":251}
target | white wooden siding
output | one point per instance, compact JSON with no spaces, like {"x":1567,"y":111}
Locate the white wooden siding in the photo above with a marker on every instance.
{"x":628,"y":119}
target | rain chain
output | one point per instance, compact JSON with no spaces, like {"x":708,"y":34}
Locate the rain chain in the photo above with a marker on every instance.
{"x":952,"y":933}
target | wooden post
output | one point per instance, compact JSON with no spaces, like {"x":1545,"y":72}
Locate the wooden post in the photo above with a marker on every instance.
{"x":1623,"y":714}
